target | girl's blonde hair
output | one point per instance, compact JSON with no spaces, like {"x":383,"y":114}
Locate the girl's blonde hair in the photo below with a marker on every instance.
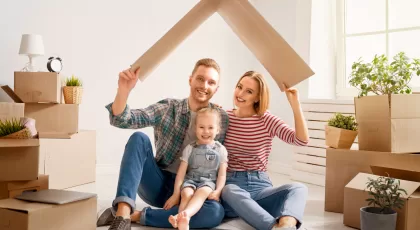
{"x":264,"y":93}
{"x":212,"y":111}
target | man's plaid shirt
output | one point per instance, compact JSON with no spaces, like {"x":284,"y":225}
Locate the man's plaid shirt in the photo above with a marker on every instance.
{"x":170,"y":119}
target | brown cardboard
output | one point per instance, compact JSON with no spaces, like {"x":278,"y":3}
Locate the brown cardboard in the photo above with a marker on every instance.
{"x":178,"y":33}
{"x":274,"y":53}
{"x":19,"y":159}
{"x":12,"y":189}
{"x":355,"y":198}
{"x":69,"y":162}
{"x":38,"y":87}
{"x":10,"y":104}
{"x":389,"y":124}
{"x":343,"y":165}
{"x":21,"y":215}
{"x":54,"y":118}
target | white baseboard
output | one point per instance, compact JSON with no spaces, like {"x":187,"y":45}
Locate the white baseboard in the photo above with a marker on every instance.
{"x":279,"y":167}
{"x":107,"y":169}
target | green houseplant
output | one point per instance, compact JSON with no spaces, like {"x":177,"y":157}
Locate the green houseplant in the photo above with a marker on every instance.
{"x":386,"y":98}
{"x":382,"y":78}
{"x":385,"y":196}
{"x":341,"y":131}
{"x":14,"y":129}
{"x":73,"y":90}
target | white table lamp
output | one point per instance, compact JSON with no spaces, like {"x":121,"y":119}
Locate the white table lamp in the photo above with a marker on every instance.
{"x":32,"y":46}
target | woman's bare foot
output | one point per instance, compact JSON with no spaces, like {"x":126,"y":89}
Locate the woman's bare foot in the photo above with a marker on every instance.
{"x":173,"y":221}
{"x":183,"y":221}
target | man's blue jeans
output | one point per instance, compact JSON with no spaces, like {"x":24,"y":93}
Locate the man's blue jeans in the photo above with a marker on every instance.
{"x":251,"y":196}
{"x":140,"y":174}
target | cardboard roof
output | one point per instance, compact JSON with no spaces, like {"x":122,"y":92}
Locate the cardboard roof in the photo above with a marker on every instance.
{"x":269,"y":47}
{"x":15,"y":204}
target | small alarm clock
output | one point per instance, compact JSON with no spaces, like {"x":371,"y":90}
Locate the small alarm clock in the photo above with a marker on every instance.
{"x":54,"y":64}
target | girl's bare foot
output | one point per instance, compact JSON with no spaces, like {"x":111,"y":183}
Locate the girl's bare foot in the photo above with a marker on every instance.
{"x":183,"y":221}
{"x":173,"y":221}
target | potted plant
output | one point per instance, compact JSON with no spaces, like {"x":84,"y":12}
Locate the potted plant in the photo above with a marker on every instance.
{"x":14,"y":129}
{"x":385,"y":195}
{"x":341,"y":131}
{"x":73,"y":90}
{"x":386,"y":98}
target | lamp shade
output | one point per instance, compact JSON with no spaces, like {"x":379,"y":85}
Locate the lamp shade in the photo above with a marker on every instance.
{"x":31,"y":44}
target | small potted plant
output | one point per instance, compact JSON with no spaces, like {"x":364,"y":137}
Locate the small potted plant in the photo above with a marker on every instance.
{"x":73,"y":90}
{"x":341,"y":131}
{"x":385,"y":195}
{"x":14,"y":129}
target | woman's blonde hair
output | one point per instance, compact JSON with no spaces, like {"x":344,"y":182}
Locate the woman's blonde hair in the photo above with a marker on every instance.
{"x":264,"y":93}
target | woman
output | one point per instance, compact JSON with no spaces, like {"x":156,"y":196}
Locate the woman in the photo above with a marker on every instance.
{"x":249,"y":192}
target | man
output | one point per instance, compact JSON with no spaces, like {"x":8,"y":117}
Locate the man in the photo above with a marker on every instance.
{"x":152,"y":177}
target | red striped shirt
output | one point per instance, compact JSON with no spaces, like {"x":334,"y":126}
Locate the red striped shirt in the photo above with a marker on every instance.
{"x":249,"y":140}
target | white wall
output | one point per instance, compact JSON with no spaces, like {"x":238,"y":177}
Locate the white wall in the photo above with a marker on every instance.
{"x":97,"y":39}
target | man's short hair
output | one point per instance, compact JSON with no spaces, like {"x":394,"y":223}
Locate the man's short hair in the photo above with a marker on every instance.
{"x":207,"y":62}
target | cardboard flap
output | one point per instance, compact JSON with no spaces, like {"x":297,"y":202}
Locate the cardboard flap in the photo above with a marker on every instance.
{"x":55,"y":135}
{"x":396,"y":173}
{"x":19,"y":142}
{"x":373,"y":107}
{"x":178,"y":33}
{"x":360,"y":180}
{"x":42,"y":181}
{"x":11,"y":94}
{"x":405,"y":106}
{"x":268,"y":46}
{"x":19,"y":205}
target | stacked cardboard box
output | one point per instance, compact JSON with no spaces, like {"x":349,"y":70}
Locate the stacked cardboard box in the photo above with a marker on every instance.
{"x":59,"y":157}
{"x":388,"y":145}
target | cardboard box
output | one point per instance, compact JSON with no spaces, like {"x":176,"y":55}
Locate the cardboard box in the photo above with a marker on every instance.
{"x":69,"y":162}
{"x":21,"y":215}
{"x":343,"y":165}
{"x":12,"y":189}
{"x":54,"y":118}
{"x":38,"y":87}
{"x":8,"y":105}
{"x":355,"y":198}
{"x":269,"y":47}
{"x":389,"y":124}
{"x":19,"y":159}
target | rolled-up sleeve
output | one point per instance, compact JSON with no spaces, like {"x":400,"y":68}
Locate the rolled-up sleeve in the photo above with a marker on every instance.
{"x":138,"y":118}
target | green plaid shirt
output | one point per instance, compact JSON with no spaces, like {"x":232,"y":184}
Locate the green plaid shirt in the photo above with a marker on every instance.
{"x":170,"y":119}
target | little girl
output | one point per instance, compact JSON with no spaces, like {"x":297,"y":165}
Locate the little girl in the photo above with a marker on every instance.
{"x":202,"y":172}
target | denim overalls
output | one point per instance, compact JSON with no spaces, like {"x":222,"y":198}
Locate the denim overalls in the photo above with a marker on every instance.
{"x":203,"y":166}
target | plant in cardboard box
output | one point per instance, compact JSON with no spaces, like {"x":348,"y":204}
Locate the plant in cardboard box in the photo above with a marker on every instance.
{"x":341,"y":131}
{"x":385,"y":195}
{"x":385,"y":98}
{"x":73,"y":90}
{"x":14,"y":129}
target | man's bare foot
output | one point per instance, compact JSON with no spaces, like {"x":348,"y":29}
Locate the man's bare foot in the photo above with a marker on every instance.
{"x":183,"y":221}
{"x":173,"y":221}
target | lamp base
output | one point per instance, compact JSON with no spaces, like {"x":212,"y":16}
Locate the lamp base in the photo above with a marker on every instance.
{"x":30,"y":66}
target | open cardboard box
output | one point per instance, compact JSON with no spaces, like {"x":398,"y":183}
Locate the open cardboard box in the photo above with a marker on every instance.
{"x":51,"y":120}
{"x":355,"y":197}
{"x":11,"y":189}
{"x":389,"y":124}
{"x":34,"y":87}
{"x":343,"y":165}
{"x":269,"y":47}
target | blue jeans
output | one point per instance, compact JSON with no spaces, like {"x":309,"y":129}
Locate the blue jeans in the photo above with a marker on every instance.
{"x":251,"y":196}
{"x":155,"y":187}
